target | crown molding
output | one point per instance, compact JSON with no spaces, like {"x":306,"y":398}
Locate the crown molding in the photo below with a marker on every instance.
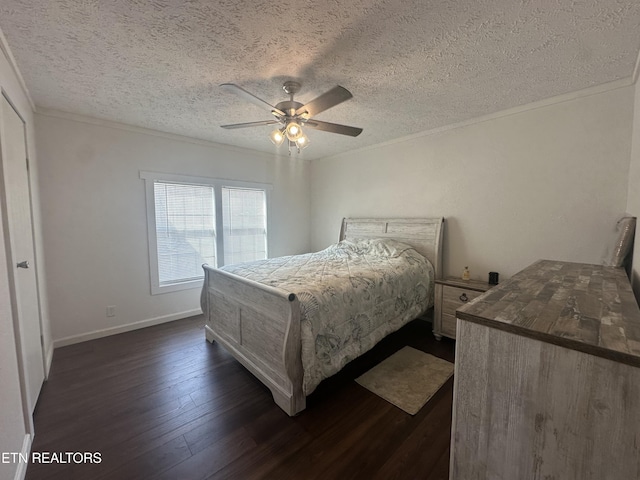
{"x":76,"y":117}
{"x":558,"y":99}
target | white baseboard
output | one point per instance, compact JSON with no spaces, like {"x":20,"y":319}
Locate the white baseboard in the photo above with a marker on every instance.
{"x":21,"y":472}
{"x":83,"y":337}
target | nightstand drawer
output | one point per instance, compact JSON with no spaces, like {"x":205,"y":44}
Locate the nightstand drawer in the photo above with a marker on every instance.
{"x":454,"y":297}
{"x":451,"y":294}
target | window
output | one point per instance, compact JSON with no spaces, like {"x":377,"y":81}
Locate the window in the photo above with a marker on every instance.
{"x":244,"y":222}
{"x":185,"y":231}
{"x":184,"y":218}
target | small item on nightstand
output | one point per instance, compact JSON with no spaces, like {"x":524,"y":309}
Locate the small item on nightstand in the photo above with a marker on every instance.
{"x":465,"y":274}
{"x":493,"y":278}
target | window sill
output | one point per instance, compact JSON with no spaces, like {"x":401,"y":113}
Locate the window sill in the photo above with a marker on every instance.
{"x":176,"y":287}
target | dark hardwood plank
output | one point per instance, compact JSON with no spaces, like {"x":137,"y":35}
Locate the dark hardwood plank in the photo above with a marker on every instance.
{"x":409,"y":457}
{"x":163,"y":403}
{"x":441,"y":469}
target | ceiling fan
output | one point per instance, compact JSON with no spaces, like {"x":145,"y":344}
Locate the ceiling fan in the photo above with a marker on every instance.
{"x":292,"y":115}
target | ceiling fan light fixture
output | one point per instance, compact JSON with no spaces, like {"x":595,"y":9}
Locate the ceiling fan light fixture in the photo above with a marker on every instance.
{"x":293,"y":131}
{"x":277,"y":137}
{"x":302,"y":142}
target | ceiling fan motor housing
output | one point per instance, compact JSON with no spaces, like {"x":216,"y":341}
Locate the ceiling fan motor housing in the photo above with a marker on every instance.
{"x":289,"y":107}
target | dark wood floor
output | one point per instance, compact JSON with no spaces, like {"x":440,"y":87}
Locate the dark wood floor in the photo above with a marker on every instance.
{"x":162,"y":403}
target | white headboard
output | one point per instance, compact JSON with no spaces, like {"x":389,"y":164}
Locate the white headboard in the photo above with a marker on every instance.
{"x":423,"y":234}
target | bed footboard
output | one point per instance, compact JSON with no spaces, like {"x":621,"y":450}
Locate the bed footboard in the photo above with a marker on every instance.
{"x":260,"y":326}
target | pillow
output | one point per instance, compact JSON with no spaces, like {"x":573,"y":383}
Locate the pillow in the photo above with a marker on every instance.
{"x":379,"y":247}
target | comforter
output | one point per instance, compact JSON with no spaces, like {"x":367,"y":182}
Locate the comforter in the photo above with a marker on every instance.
{"x":352,"y":294}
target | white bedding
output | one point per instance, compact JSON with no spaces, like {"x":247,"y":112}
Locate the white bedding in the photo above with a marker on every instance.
{"x":351,"y":294}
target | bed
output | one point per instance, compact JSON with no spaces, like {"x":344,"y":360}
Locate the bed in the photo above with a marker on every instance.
{"x":266,"y":324}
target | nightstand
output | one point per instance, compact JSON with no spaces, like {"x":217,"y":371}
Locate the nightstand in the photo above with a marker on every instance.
{"x":450,"y":294}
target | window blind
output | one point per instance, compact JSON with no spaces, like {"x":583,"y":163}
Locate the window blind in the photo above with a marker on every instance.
{"x":244,"y":224}
{"x":185,"y":231}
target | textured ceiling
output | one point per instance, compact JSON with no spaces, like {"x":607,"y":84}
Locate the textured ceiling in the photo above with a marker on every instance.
{"x":411,"y":65}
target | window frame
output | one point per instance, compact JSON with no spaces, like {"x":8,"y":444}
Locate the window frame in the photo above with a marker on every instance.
{"x":217,"y":184}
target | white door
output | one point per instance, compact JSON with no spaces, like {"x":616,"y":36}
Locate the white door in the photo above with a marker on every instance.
{"x":22,"y":273}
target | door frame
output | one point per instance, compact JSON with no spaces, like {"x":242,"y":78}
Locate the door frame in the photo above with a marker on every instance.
{"x":28,"y":417}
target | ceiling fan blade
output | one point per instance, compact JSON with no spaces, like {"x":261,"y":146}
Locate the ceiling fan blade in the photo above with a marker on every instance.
{"x":325,"y":101}
{"x":232,"y":87}
{"x":250,"y":124}
{"x":333,"y":128}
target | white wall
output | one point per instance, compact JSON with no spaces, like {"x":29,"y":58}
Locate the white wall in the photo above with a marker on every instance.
{"x":548,"y":182}
{"x":633,"y":200}
{"x":94,"y":218}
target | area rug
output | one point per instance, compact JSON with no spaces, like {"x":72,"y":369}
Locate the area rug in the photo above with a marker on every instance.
{"x":407,"y":379}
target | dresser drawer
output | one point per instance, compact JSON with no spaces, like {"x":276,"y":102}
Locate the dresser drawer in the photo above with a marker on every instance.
{"x":454,"y":297}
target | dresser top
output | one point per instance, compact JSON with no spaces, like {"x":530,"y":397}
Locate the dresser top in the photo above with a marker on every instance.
{"x":584,"y":307}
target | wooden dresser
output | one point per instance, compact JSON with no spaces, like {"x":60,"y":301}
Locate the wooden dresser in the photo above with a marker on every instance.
{"x":547,"y":377}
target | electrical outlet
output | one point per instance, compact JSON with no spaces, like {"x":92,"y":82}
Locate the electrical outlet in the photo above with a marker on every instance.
{"x":111,"y":310}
